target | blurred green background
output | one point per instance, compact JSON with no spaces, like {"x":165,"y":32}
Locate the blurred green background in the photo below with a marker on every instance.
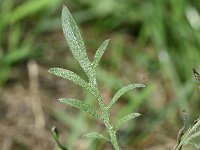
{"x":155,"y":42}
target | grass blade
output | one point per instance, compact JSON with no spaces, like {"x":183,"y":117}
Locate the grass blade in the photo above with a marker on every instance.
{"x":55,"y":135}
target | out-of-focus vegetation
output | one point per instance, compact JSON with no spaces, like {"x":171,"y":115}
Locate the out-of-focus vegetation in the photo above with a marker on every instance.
{"x":20,"y":22}
{"x":155,"y":42}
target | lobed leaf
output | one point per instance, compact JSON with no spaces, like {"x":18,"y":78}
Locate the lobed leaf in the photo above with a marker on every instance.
{"x":67,"y":74}
{"x":95,"y":135}
{"x":74,"y":40}
{"x":81,"y":106}
{"x":99,"y":53}
{"x":124,"y":119}
{"x":122,"y":91}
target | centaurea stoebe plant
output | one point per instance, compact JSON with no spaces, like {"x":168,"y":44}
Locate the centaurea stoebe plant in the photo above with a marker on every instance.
{"x":77,"y":47}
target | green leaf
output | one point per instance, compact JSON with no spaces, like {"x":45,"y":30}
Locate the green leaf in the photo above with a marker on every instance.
{"x":192,"y":137}
{"x":81,"y":106}
{"x":122,"y":91}
{"x":95,"y":135}
{"x":124,"y":119}
{"x":55,"y":135}
{"x":67,"y":74}
{"x":74,"y":40}
{"x":99,"y":53}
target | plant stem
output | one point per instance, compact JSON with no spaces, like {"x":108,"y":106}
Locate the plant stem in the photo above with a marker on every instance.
{"x":106,"y":120}
{"x":111,"y":130}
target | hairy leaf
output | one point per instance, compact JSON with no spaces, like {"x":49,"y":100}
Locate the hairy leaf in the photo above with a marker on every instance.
{"x":192,"y":137}
{"x":67,"y":74}
{"x":81,"y":106}
{"x":124,"y":119}
{"x":74,"y":40}
{"x":95,"y":135}
{"x":123,"y":91}
{"x":99,"y":53}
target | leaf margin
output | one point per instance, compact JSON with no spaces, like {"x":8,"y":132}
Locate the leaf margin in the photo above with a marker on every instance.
{"x":74,"y":39}
{"x":95,"y":135}
{"x":125,"y":119}
{"x":81,"y":106}
{"x":70,"y":75}
{"x":99,"y":53}
{"x":122,"y":91}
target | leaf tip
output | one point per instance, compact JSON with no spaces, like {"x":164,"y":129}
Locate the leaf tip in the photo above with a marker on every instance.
{"x":50,"y":70}
{"x":108,"y":40}
{"x":140,"y":85}
{"x":137,"y":114}
{"x":83,"y":137}
{"x":64,"y":7}
{"x":65,"y":11}
{"x":54,"y":130}
{"x":61,"y":100}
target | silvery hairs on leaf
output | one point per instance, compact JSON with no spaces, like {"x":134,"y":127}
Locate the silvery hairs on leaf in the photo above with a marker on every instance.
{"x":81,"y":106}
{"x":77,"y":47}
{"x":99,"y":53}
{"x":67,"y":74}
{"x":124,"y":119}
{"x":122,"y":91}
{"x":74,"y":40}
{"x":95,"y":135}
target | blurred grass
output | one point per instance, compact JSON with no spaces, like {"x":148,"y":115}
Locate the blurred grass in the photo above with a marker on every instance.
{"x":15,"y":42}
{"x":157,"y":38}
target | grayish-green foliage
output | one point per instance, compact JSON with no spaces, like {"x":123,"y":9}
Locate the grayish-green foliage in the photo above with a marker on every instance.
{"x":67,"y":74}
{"x":81,"y":106}
{"x":95,"y":135}
{"x":122,"y":91}
{"x":74,"y":40}
{"x":99,"y":53}
{"x":124,"y":119}
{"x":77,"y":47}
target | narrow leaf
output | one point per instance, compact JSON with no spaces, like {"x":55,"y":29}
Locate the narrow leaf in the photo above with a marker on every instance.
{"x":95,"y":135}
{"x":99,"y":53}
{"x":81,"y":106}
{"x":122,"y":91}
{"x":67,"y":74}
{"x":74,"y":40}
{"x":124,"y":119}
{"x":55,"y":135}
{"x":192,"y":137}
